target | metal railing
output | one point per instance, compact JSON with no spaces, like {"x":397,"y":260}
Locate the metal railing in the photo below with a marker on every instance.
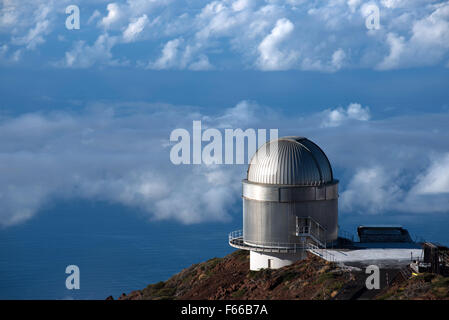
{"x":321,"y":252}
{"x":406,"y":272}
{"x":311,"y":234}
{"x":308,"y":228}
{"x":236,"y":240}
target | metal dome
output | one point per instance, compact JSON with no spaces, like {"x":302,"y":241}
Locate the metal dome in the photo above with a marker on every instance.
{"x":298,"y":161}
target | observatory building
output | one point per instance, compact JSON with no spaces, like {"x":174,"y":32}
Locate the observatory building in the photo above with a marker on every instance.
{"x":290,"y":203}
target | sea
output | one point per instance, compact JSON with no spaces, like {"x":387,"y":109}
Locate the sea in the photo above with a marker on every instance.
{"x":119,"y":249}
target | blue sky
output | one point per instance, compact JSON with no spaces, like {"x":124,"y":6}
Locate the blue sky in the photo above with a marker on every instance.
{"x":86,"y":114}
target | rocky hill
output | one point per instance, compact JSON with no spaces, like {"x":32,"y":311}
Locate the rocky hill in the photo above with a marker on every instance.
{"x":312,"y":278}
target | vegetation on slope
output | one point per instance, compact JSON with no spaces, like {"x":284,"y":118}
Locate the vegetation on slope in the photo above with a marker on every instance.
{"x":230,"y":278}
{"x":425,"y":286}
{"x":310,"y":279}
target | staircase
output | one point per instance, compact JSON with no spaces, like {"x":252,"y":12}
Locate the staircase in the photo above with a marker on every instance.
{"x":406,"y":272}
{"x":320,"y":252}
{"x":314,"y":236}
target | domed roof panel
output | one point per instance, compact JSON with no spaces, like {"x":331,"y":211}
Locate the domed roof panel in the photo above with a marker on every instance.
{"x":298,"y":161}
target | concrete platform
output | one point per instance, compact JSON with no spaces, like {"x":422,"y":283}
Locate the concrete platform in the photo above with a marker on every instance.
{"x":379,"y":256}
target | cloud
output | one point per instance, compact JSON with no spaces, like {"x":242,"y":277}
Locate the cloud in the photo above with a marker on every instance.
{"x":9,"y":16}
{"x":101,"y":154}
{"x":34,"y":34}
{"x":397,"y":47}
{"x":392,"y":4}
{"x":244,"y":114}
{"x":380,"y":189}
{"x":240,"y":5}
{"x":119,"y":152}
{"x":95,"y":15}
{"x":427,"y":45}
{"x":371,"y":190}
{"x":391,"y":166}
{"x":84,"y":56}
{"x":34,"y":37}
{"x":353,"y":4}
{"x":337,"y":59}
{"x":436,"y":179}
{"x":169,"y":56}
{"x":176,"y":55}
{"x":113,"y":16}
{"x":334,"y":64}
{"x":338,"y":116}
{"x":272,"y":57}
{"x":324,"y":36}
{"x":201,"y":64}
{"x":135,"y":28}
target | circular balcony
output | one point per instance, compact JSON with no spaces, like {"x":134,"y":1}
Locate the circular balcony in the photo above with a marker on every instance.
{"x":236,"y":241}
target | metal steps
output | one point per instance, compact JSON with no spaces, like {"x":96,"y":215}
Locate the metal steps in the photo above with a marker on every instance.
{"x":320,"y":252}
{"x":406,"y":272}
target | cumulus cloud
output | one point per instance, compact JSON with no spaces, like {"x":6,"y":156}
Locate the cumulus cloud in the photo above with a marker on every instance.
{"x":272,"y":57}
{"x":394,"y":166}
{"x":201,"y":64}
{"x":427,"y":45}
{"x":381,"y":188}
{"x":34,"y":31}
{"x":169,"y":56}
{"x":324,"y":36}
{"x":240,"y":5}
{"x":371,"y":190}
{"x":135,"y":28}
{"x":244,"y":114}
{"x":337,"y":59}
{"x":113,"y":16}
{"x":338,"y":116}
{"x":83,"y":55}
{"x":177,"y":55}
{"x":397,"y":47}
{"x":436,"y":179}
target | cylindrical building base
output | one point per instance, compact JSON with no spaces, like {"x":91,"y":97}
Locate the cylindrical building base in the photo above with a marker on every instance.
{"x":259,"y":261}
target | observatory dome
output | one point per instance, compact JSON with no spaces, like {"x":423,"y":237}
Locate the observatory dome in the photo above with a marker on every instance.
{"x":298,"y":161}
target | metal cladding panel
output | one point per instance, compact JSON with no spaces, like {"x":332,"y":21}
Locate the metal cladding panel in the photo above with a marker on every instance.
{"x":267,"y":223}
{"x":261,"y":193}
{"x":324,"y":212}
{"x":321,"y":193}
{"x":298,"y":161}
{"x":275,"y":222}
{"x":297,"y":194}
{"x":264,"y":192}
{"x":332,"y":191}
